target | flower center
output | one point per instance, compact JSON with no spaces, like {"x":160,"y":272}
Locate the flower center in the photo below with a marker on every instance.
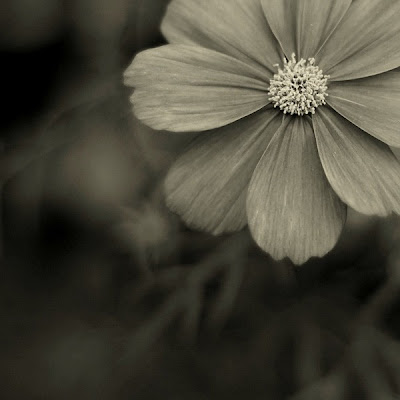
{"x":299,"y":88}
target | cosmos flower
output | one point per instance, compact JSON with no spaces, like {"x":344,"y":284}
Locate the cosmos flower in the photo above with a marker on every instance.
{"x":299,"y":101}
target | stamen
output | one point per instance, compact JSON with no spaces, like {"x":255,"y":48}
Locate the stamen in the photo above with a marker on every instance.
{"x":299,"y":88}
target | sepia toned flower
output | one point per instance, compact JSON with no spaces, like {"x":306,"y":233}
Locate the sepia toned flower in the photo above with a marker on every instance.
{"x":297,"y":102}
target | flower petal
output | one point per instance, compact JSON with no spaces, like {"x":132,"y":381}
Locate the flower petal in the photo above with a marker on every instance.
{"x":238,"y":29}
{"x":208,"y":184}
{"x":365,"y":43}
{"x":302,"y":26}
{"x":362,"y":170}
{"x":190,"y":88}
{"x":373,"y":104}
{"x":292,"y":209}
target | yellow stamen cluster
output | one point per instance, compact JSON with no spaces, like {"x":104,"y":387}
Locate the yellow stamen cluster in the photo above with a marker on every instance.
{"x":299,"y":88}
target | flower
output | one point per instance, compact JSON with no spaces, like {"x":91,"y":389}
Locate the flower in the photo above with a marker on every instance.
{"x":299,"y":102}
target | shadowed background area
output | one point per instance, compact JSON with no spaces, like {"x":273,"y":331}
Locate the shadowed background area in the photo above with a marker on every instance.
{"x":105,"y":294}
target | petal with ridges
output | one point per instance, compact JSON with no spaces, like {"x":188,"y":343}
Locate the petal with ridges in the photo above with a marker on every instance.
{"x":292,"y":209}
{"x":373,"y":104}
{"x":303,"y":26}
{"x":362,"y":170}
{"x":189,"y":88}
{"x":238,"y":29}
{"x":207,"y":185}
{"x":365,"y":43}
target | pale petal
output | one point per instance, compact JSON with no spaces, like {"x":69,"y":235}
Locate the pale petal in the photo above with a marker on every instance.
{"x":291,"y":207}
{"x":365,"y":43}
{"x":235,"y":27}
{"x":373,"y":104}
{"x":208,"y":184}
{"x":190,"y":88}
{"x":302,"y":26}
{"x":361,"y":169}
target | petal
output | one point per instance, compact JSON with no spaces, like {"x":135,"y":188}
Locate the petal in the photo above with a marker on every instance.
{"x":238,"y":29}
{"x":190,"y":88}
{"x":291,"y":207}
{"x":365,"y":43}
{"x":362,"y":170}
{"x":302,"y":26}
{"x":208,"y":184}
{"x":373,"y":104}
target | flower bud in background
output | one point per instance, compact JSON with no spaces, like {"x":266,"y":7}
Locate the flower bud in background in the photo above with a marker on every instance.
{"x":150,"y":233}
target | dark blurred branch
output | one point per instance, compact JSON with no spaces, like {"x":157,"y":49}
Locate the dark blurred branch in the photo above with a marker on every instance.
{"x":389,"y":292}
{"x":227,"y":296}
{"x":187,"y":298}
{"x":360,"y":355}
{"x":384,"y":297}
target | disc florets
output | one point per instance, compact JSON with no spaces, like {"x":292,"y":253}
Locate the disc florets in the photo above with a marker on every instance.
{"x":299,"y":88}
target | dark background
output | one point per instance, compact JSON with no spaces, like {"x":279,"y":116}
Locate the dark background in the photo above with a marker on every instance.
{"x":106,"y":295}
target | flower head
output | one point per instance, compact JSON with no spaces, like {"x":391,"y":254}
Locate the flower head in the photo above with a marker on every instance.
{"x":299,"y":88}
{"x":298,"y":102}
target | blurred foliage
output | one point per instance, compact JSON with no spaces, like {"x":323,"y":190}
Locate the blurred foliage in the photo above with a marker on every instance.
{"x":106,"y":295}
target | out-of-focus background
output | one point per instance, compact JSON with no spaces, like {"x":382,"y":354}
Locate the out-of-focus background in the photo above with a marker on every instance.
{"x":104,"y":294}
